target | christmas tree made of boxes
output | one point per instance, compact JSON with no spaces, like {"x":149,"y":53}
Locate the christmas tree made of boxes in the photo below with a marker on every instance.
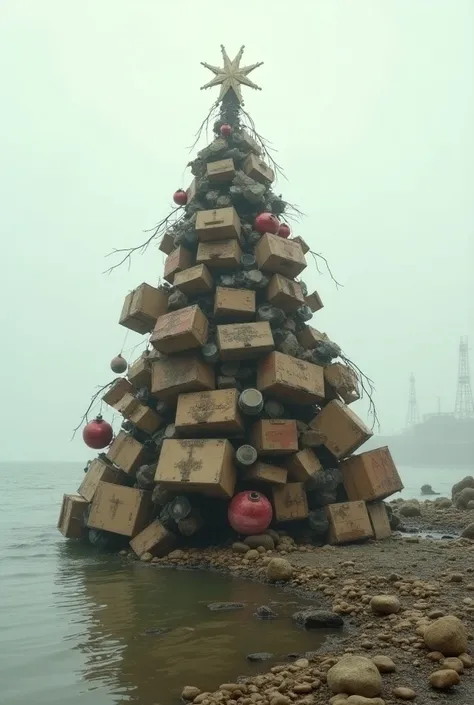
{"x":237,"y":416}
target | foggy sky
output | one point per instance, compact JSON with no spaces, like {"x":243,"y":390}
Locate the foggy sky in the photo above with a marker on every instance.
{"x":370,"y":105}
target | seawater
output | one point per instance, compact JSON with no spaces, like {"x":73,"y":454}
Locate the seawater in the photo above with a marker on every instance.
{"x":74,"y":623}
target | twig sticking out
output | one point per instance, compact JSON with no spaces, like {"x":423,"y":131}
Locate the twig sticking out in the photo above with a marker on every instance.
{"x":92,"y":402}
{"x":293,"y":213}
{"x":367,"y":387}
{"x":318,"y":254}
{"x":156,"y":231}
{"x":204,"y":126}
{"x":264,"y":143}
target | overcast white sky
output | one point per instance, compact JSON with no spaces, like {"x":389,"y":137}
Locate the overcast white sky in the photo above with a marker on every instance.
{"x":370,"y":104}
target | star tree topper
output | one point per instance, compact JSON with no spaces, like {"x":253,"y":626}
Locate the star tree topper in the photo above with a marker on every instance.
{"x":231,"y":75}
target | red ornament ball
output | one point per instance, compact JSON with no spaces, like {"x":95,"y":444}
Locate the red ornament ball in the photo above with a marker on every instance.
{"x":284,"y":230}
{"x":250,"y":513}
{"x":225,"y":130}
{"x":98,"y":433}
{"x":266,"y":223}
{"x":180,"y":197}
{"x":118,"y":364}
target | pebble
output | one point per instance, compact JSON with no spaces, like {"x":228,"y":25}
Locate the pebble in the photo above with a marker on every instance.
{"x":190,"y":692}
{"x":448,"y":635}
{"x":466,"y":660}
{"x":361,"y":700}
{"x":280,"y":700}
{"x":301,"y":688}
{"x":239,"y":547}
{"x":385,"y":604}
{"x":404,"y":693}
{"x":384,"y":664}
{"x":146,"y":557}
{"x":279,"y":569}
{"x":453,"y":663}
{"x":442,"y":680}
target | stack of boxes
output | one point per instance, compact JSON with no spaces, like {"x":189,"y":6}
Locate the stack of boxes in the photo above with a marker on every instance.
{"x":236,"y":391}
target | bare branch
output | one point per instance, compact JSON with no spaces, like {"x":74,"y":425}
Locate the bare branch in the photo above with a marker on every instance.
{"x":368,"y":388}
{"x":92,"y":402}
{"x":204,"y":126}
{"x":264,"y":143}
{"x":318,"y":254}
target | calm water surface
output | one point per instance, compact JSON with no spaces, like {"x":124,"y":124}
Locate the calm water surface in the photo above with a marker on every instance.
{"x":72,"y":622}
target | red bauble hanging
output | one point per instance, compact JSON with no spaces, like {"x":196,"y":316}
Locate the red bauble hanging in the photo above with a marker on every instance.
{"x":284,"y":230}
{"x":250,"y":513}
{"x":118,"y":365}
{"x":225,"y":130}
{"x":180,"y":197}
{"x":266,"y":223}
{"x":98,"y":433}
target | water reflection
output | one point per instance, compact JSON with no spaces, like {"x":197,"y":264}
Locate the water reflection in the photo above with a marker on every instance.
{"x":113,"y":605}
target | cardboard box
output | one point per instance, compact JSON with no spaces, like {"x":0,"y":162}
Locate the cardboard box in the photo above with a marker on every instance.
{"x":117,"y":391}
{"x":303,"y":466}
{"x":127,"y":405}
{"x":285,"y":293}
{"x":279,"y":256}
{"x":238,"y":304}
{"x":379,"y":520}
{"x":191,"y":191}
{"x":309,"y":337}
{"x":142,"y":307}
{"x":340,"y":379}
{"x":121,"y":510}
{"x":180,"y":330}
{"x":167,"y":243}
{"x":267,"y":474}
{"x":343,"y":430}
{"x":221,"y":172}
{"x":209,"y":413}
{"x":195,"y":280}
{"x":155,"y":539}
{"x":203,"y":466}
{"x":274,"y":437}
{"x":289,"y":502}
{"x":181,"y":374}
{"x":225,"y":254}
{"x":249,"y":143}
{"x":348,"y":521}
{"x":371,"y":475}
{"x":302,"y":243}
{"x":71,"y":518}
{"x":179,"y":260}
{"x":127,"y":453}
{"x":139,"y":372}
{"x":100,"y":470}
{"x":239,"y":341}
{"x":258,"y":170}
{"x":218,"y":224}
{"x":146,"y":419}
{"x":314,"y":301}
{"x":290,"y":380}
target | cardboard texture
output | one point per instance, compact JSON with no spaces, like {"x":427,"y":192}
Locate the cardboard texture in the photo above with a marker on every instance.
{"x":127,"y":453}
{"x":177,"y":261}
{"x":221,"y":172}
{"x":204,"y":466}
{"x":71,"y":518}
{"x":249,"y":143}
{"x":191,"y":191}
{"x":371,"y":475}
{"x":302,"y":243}
{"x":274,"y":437}
{"x":290,"y":380}
{"x":341,"y":380}
{"x":121,"y":510}
{"x":343,"y":430}
{"x":258,"y":170}
{"x":266,"y":474}
{"x":314,"y":301}
{"x":181,"y":374}
{"x":127,"y":405}
{"x":219,"y":255}
{"x":240,"y":341}
{"x":155,"y":539}
{"x":180,"y":330}
{"x":310,"y":337}
{"x":285,"y":293}
{"x":209,"y":413}
{"x":142,"y":307}
{"x":100,"y":470}
{"x":195,"y":280}
{"x":238,"y":304}
{"x":146,"y":419}
{"x":303,"y":466}
{"x":117,"y":391}
{"x":167,"y":243}
{"x":348,"y":521}
{"x":379,"y":520}
{"x":279,"y":256}
{"x":289,"y":502}
{"x":139,"y":372}
{"x":218,"y":224}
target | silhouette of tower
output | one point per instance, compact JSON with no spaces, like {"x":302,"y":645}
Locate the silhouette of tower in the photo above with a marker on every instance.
{"x":413,"y":416}
{"x":464,"y":407}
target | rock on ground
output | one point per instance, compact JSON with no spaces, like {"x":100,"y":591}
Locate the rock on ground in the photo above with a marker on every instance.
{"x":265,"y":612}
{"x":461,"y":485}
{"x":468,"y":532}
{"x":225,"y":606}
{"x":385,"y":604}
{"x":355,"y":675}
{"x":404,"y":693}
{"x":263,"y":540}
{"x":279,"y":569}
{"x":447,"y":635}
{"x":464,"y":497}
{"x":190,"y":692}
{"x":410,"y":509}
{"x":318,"y":619}
{"x":384,"y":663}
{"x":442,"y":680}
